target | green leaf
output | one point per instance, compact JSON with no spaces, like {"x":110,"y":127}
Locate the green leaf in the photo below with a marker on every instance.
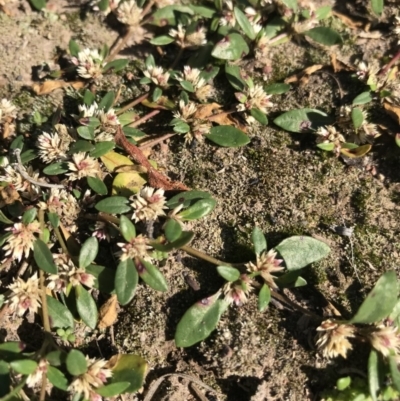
{"x":97,"y":185}
{"x":187,"y":198}
{"x":86,"y":307}
{"x":184,"y":239}
{"x":113,"y":204}
{"x":228,"y":273}
{"x":277,"y":89}
{"x":292,"y":4}
{"x":200,"y":320}
{"x":29,"y":155}
{"x":112,"y":390}
{"x":38,"y":4}
{"x":264,"y":297}
{"x":323,"y":12}
{"x":226,"y":135}
{"x":151,"y":275}
{"x":258,"y":240}
{"x":328,"y":147}
{"x":300,"y":251}
{"x":86,"y":132}
{"x":302,"y":120}
{"x":57,"y":378}
{"x":377,"y":8}
{"x":5,"y":219}
{"x":76,"y":363}
{"x":101,"y":148}
{"x":343,"y":383}
{"x":234,"y":77}
{"x":127,"y":228}
{"x":200,"y":209}
{"x":373,"y":374}
{"x":54,"y":219}
{"x":107,"y":101}
{"x":116,"y":65}
{"x":157,"y":93}
{"x":56,"y":168}
{"x":127,"y":118}
{"x":203,"y":11}
{"x":5,"y":380}
{"x":60,"y":316}
{"x":362,"y":98}
{"x":169,"y":15}
{"x":188,"y":86}
{"x":259,"y":116}
{"x":14,"y":347}
{"x":172,"y":230}
{"x":80,"y":146}
{"x":162,"y":40}
{"x":29,"y":216}
{"x":394,"y":371}
{"x":181,"y":127}
{"x":126,"y":280}
{"x":88,"y":252}
{"x":324,"y":35}
{"x":24,"y":366}
{"x":104,"y":278}
{"x":43,"y":257}
{"x":128,"y":368}
{"x":380,"y":301}
{"x":232,"y":47}
{"x":74,"y":48}
{"x":88,"y":97}
{"x":357,"y":117}
{"x":244,"y":23}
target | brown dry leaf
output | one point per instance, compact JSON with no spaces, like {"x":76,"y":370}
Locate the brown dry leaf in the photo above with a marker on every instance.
{"x":49,"y":86}
{"x":8,"y":195}
{"x":206,"y":110}
{"x":393,"y":111}
{"x":348,"y":21}
{"x":108,"y":313}
{"x":303,"y":75}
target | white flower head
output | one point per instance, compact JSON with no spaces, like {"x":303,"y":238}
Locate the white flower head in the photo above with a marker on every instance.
{"x":25,"y":295}
{"x":89,"y":64}
{"x":137,"y":248}
{"x":129,"y":13}
{"x":51,"y":147}
{"x":83,"y":166}
{"x":148,"y":204}
{"x":7,"y":111}
{"x":157,"y":75}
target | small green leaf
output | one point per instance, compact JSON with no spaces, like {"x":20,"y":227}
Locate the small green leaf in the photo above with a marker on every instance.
{"x":234,"y":77}
{"x":5,"y":219}
{"x":86,"y":132}
{"x":43,"y":257}
{"x":394,"y":371}
{"x":56,"y":168}
{"x":113,"y":204}
{"x":127,"y":118}
{"x":259,"y":116}
{"x":162,"y":40}
{"x":57,"y":378}
{"x":157,"y":93}
{"x":54,"y":219}
{"x":292,"y":4}
{"x":169,"y":15}
{"x":107,"y":101}
{"x":24,"y":366}
{"x":277,"y":89}
{"x":228,"y":273}
{"x":232,"y":47}
{"x":89,"y":251}
{"x":323,"y":12}
{"x":187,"y":198}
{"x":184,"y":239}
{"x":88,"y":97}
{"x":86,"y":307}
{"x":38,"y":4}
{"x":181,"y":127}
{"x":173,"y":230}
{"x":357,"y":117}
{"x":300,"y":251}
{"x":97,"y":185}
{"x":116,"y":65}
{"x":76,"y":363}
{"x":377,"y":8}
{"x":328,"y":147}
{"x":302,"y":120}
{"x":60,"y":316}
{"x":362,"y":98}
{"x":80,"y":146}
{"x":188,"y":86}
{"x":101,"y":148}
{"x":126,"y":280}
{"x":29,"y":216}
{"x":343,"y":383}
{"x":373,"y":374}
{"x":74,"y":48}
{"x":127,"y":228}
{"x":226,"y":135}
{"x":112,"y":390}
{"x":264,"y":297}
{"x":324,"y":35}
{"x":380,"y":301}
{"x":104,"y":278}
{"x":200,"y":209}
{"x":244,"y":23}
{"x":151,"y":275}
{"x":29,"y":155}
{"x":203,"y":11}
{"x":259,"y":241}
{"x":200,"y":320}
{"x":14,"y":347}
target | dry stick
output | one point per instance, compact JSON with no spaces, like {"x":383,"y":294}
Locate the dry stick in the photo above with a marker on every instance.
{"x":391,"y":62}
{"x":27,"y":177}
{"x":152,"y":142}
{"x":177,"y":58}
{"x":212,"y":117}
{"x":140,"y":99}
{"x":144,"y":118}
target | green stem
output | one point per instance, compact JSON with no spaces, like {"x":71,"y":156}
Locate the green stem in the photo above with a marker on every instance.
{"x":14,"y":393}
{"x":61,"y":240}
{"x":177,"y":58}
{"x":201,"y":255}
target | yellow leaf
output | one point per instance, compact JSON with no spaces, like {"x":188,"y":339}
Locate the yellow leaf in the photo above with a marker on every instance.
{"x":393,"y":111}
{"x":114,"y":161}
{"x":50,"y":86}
{"x":356,"y":152}
{"x":127,"y":184}
{"x":108,"y":313}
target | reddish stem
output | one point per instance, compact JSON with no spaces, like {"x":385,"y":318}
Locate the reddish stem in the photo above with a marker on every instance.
{"x":387,"y":67}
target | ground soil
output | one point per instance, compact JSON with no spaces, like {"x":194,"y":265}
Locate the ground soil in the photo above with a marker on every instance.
{"x":280,"y":182}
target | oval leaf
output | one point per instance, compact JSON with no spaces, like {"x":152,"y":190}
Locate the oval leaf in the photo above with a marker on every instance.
{"x":162,"y":40}
{"x":373,"y":374}
{"x":244,"y":23}
{"x":56,"y":168}
{"x":151,"y":275}
{"x":357,"y":117}
{"x":232,"y":47}
{"x":187,"y":198}
{"x":86,"y":307}
{"x":200,"y":209}
{"x":259,"y":241}
{"x":300,"y":251}
{"x":127,"y":184}
{"x":324,"y":35}
{"x":76,"y":363}
{"x":173,"y":230}
{"x":24,"y":366}
{"x":126,"y":280}
{"x":57,"y":378}
{"x":127,"y":228}
{"x":88,"y":252}
{"x":112,"y":390}
{"x":302,"y":120}
{"x":362,"y":98}
{"x":60,"y":316}
{"x":264,"y":297}
{"x":113,"y":204}
{"x":359,"y":151}
{"x":113,"y":161}
{"x":277,"y":89}
{"x":228,"y":273}
{"x":259,"y":116}
{"x":107,"y":101}
{"x":101,"y":148}
{"x":43,"y":257}
{"x":380,"y":301}
{"x":200,"y":320}
{"x":225,"y":135}
{"x":97,"y":185}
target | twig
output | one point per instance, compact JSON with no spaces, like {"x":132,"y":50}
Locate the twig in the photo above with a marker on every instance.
{"x":144,"y":118}
{"x":201,"y":255}
{"x":390,"y":63}
{"x":24,"y":174}
{"x":152,"y":142}
{"x":140,"y":99}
